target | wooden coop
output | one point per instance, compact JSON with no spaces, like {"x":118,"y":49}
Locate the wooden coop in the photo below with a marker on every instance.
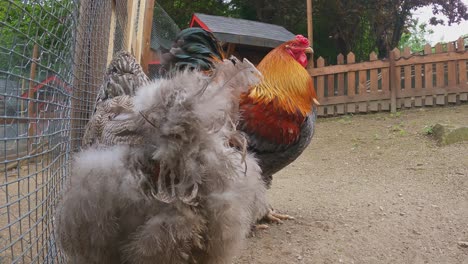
{"x":243,"y":38}
{"x":239,"y":37}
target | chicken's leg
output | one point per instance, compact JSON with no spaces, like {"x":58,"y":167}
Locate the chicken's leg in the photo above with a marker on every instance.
{"x":274,"y":217}
{"x":271,"y":217}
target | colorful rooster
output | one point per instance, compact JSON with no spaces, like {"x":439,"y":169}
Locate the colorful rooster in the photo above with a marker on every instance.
{"x":278,"y":115}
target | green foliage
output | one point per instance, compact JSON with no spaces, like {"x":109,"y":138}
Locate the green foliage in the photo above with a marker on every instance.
{"x":428,"y":130}
{"x":396,"y":114}
{"x":346,"y":119}
{"x":340,"y":26}
{"x":181,"y":11}
{"x":415,"y":36}
{"x":23,"y":24}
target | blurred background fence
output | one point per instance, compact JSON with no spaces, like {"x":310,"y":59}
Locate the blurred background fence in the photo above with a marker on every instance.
{"x":53,"y":55}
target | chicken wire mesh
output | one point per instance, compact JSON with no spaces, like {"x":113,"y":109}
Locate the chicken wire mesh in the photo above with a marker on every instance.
{"x":53,"y":55}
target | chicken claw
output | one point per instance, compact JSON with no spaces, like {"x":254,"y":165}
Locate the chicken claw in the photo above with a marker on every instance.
{"x":260,"y":227}
{"x":274,"y":217}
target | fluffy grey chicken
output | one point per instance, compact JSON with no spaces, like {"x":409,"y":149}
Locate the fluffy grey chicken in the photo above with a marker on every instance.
{"x":181,"y":190}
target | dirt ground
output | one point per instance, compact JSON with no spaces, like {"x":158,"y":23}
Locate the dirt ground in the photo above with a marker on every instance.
{"x":372,"y":189}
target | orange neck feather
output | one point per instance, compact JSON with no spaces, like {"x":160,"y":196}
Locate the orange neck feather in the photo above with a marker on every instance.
{"x":285,"y":83}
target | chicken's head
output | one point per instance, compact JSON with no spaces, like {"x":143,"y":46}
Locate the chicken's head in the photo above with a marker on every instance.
{"x":298,"y":47}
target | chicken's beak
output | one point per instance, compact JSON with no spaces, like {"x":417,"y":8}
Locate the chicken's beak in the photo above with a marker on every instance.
{"x":309,"y":50}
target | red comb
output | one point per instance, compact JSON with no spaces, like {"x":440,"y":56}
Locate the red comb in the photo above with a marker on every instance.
{"x":302,"y":40}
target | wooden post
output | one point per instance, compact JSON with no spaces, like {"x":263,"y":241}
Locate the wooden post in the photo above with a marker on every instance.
{"x":147,"y":28}
{"x":132,"y":6}
{"x":310,"y":32}
{"x":31,"y":104}
{"x":393,"y":80}
{"x":140,"y":30}
{"x":110,"y":50}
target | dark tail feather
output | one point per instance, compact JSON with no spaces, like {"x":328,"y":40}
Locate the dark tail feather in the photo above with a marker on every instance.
{"x":193,"y":48}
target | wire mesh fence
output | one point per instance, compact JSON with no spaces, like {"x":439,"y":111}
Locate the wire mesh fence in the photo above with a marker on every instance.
{"x":53,"y":55}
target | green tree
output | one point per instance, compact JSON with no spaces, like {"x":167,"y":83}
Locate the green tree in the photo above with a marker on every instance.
{"x":23,"y":24}
{"x":415,"y":37}
{"x":340,"y":26}
{"x":181,"y":10}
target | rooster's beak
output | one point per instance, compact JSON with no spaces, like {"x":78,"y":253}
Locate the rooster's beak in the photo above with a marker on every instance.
{"x":309,"y":50}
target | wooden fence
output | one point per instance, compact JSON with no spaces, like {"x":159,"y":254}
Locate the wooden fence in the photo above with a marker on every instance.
{"x":405,"y":80}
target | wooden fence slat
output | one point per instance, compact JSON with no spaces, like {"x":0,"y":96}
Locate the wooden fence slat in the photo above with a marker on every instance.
{"x":385,"y":80}
{"x":351,"y":89}
{"x":429,"y":100}
{"x":440,"y":78}
{"x":385,"y":105}
{"x":418,"y":75}
{"x":341,"y":88}
{"x":400,"y":103}
{"x":408,"y":102}
{"x":340,"y":109}
{"x":330,"y":109}
{"x":393,"y":80}
{"x":407,"y":69}
{"x":407,"y":72}
{"x":428,"y":72}
{"x":331,"y":85}
{"x":374,"y":78}
{"x":374,"y":106}
{"x":362,"y":82}
{"x":320,"y":81}
{"x":351,"y":76}
{"x":397,"y":83}
{"x":464,"y":97}
{"x":418,"y":102}
{"x":362,"y":107}
{"x":460,"y":44}
{"x":462,"y":81}
{"x":351,"y":108}
{"x":440,"y":99}
{"x":321,"y":111}
{"x":452,"y":98}
{"x":374,"y":81}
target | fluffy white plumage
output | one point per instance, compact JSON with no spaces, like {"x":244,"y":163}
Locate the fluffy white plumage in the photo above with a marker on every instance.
{"x":187,"y":193}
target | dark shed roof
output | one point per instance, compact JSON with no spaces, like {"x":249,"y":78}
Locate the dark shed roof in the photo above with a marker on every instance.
{"x":241,"y":31}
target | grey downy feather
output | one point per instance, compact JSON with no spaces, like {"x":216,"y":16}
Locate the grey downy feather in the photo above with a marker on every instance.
{"x":207,"y":193}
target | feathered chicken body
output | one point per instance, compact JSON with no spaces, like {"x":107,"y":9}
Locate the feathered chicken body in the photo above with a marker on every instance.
{"x":193,"y":48}
{"x":184,"y":193}
{"x":124,"y":76}
{"x":279,"y":113}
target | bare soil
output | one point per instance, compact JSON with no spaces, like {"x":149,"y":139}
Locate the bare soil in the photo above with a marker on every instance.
{"x":372,"y":189}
